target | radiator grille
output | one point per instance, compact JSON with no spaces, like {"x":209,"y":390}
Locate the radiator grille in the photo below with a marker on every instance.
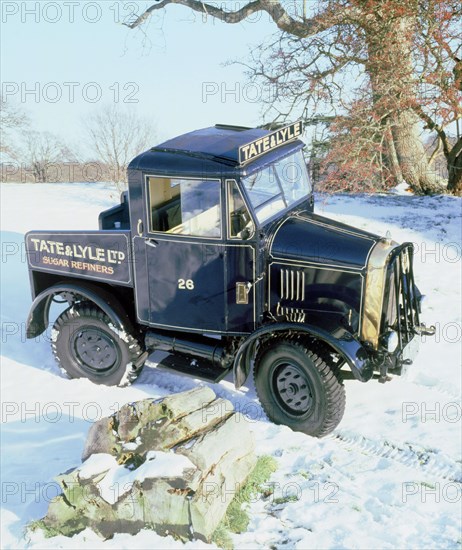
{"x":402,"y":311}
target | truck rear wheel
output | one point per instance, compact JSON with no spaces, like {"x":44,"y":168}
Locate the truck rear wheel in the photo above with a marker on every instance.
{"x":87,"y":345}
{"x":298,"y":388}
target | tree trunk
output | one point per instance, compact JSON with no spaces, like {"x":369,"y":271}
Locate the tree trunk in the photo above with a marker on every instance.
{"x":391,"y":157}
{"x":454,"y":160}
{"x":411,"y":154}
{"x":390,"y":68}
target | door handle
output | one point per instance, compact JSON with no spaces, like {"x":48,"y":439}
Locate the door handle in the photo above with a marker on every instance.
{"x":139,"y":227}
{"x":152,"y":242}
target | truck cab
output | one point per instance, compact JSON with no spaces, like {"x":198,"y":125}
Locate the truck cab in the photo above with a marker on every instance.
{"x":216,"y":256}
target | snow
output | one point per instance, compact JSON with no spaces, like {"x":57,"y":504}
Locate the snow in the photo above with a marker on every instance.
{"x":388,"y":477}
{"x":97,"y":464}
{"x":401,"y":189}
{"x":164,"y":464}
{"x":119,"y":479}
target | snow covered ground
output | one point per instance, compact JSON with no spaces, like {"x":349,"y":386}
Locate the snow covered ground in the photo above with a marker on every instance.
{"x":388,"y":477}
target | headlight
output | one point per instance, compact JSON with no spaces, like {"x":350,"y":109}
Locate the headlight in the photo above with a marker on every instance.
{"x":391,"y":341}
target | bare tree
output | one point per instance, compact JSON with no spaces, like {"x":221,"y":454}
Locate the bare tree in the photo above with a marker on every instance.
{"x":12,"y":120}
{"x":372,"y":44}
{"x":440,"y":72}
{"x":43,"y":153}
{"x":117,"y":136}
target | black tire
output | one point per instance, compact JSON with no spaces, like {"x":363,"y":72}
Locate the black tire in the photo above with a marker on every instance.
{"x":87,"y":345}
{"x":296,"y":387}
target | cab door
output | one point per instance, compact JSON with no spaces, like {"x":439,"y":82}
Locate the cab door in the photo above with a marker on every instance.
{"x":183,"y":273}
{"x":241,"y":263}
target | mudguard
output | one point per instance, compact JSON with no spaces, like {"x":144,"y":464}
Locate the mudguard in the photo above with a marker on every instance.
{"x":342,"y":341}
{"x":38,"y":318}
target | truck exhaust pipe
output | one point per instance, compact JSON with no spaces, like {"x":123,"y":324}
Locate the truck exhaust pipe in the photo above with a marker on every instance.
{"x":197,"y":346}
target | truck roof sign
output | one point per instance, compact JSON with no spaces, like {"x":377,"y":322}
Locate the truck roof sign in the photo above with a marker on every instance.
{"x":271,"y":141}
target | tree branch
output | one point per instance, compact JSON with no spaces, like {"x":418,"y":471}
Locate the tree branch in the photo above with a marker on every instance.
{"x":432,"y":125}
{"x":301,"y":28}
{"x":436,"y":151}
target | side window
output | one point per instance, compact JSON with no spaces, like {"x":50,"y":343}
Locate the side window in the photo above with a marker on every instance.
{"x":240,"y":222}
{"x":185,"y":207}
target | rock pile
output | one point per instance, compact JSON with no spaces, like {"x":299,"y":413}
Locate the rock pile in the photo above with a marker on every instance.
{"x":172,"y":465}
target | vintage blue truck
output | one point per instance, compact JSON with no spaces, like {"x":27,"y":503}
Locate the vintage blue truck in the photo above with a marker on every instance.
{"x":216,"y":256}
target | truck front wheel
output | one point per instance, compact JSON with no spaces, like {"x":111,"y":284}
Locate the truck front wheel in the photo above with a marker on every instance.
{"x":87,"y":345}
{"x":296,"y":387}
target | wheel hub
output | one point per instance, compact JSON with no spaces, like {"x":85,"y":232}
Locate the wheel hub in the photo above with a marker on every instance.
{"x":293,"y":389}
{"x":95,"y":350}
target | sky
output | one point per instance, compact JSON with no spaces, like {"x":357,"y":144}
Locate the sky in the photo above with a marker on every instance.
{"x":61,"y":60}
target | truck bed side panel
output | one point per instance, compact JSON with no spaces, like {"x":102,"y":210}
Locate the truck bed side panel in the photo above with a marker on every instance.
{"x":103,"y":256}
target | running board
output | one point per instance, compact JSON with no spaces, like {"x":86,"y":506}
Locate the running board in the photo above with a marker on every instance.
{"x":205,"y":370}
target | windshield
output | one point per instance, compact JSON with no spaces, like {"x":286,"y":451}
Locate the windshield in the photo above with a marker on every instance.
{"x":278,"y":186}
